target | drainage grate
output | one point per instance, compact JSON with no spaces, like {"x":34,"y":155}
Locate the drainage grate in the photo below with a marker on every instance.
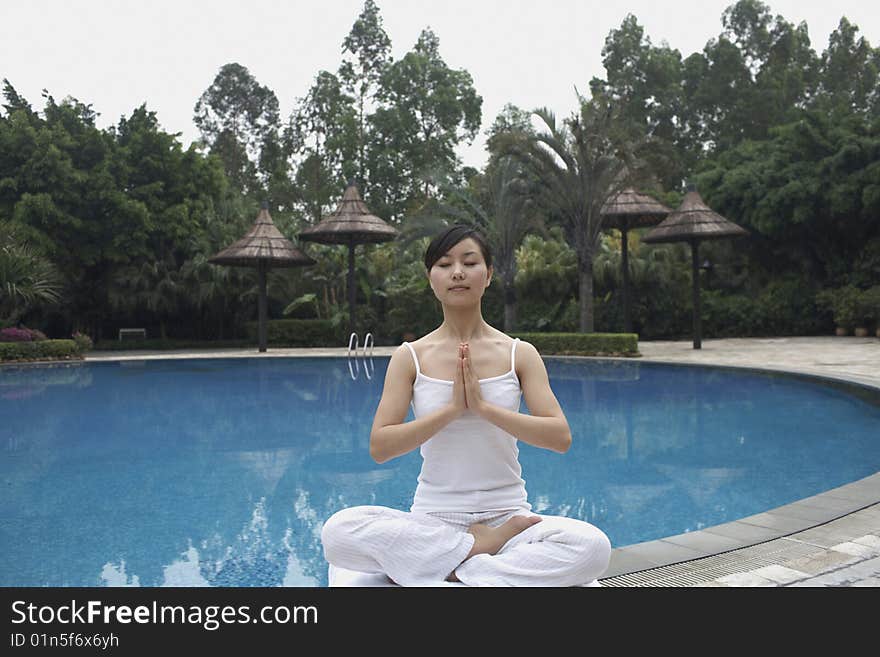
{"x":700,"y":571}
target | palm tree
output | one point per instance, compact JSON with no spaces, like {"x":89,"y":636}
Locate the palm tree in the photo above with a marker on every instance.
{"x":579,"y":166}
{"x":154,"y":285}
{"x":27,"y":279}
{"x":500,"y":206}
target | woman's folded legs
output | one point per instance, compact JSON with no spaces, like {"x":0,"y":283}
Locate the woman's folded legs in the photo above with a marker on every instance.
{"x":557,"y":551}
{"x":415,"y":549}
{"x":412,"y":549}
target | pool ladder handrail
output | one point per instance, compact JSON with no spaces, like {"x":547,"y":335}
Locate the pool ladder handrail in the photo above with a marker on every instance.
{"x":368,"y":340}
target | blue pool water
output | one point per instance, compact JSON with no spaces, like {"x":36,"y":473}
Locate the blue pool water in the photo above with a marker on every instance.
{"x":221,"y":471}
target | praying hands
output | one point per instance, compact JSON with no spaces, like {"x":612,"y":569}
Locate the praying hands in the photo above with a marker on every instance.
{"x":466,"y":385}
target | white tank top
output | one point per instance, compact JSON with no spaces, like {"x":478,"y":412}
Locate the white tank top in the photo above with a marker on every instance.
{"x":469,"y":465}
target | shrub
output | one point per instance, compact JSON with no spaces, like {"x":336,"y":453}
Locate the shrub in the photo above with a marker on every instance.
{"x":783,"y":307}
{"x":844,"y":305}
{"x":583,"y":344}
{"x":299,"y":333}
{"x":21,"y":334}
{"x":868,"y":306}
{"x":83,"y":342}
{"x":39,"y":350}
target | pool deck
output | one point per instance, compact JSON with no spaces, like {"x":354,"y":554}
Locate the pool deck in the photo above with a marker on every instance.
{"x":830,"y":539}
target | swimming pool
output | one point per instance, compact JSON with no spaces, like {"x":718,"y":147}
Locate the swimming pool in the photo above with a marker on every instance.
{"x":221,"y":471}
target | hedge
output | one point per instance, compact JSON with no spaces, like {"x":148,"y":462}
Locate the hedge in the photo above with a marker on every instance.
{"x":168,"y":344}
{"x":583,"y":344}
{"x":40,"y":350}
{"x":298,"y":333}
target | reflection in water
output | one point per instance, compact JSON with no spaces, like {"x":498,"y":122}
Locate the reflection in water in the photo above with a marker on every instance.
{"x":222,"y":473}
{"x":251,"y":560}
{"x":186,"y":571}
{"x":115,"y":575}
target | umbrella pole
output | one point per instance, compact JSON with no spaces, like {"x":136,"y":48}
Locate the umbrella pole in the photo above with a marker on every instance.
{"x":262,"y":304}
{"x":627,"y":319}
{"x":695,"y":269}
{"x":351,"y":294}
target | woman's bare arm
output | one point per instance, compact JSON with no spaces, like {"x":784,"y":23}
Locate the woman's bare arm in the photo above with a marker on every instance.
{"x":546,"y":426}
{"x":390,"y":436}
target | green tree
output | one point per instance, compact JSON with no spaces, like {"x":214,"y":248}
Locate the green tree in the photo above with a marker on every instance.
{"x":97,"y":203}
{"x":849,"y":73}
{"x":154,"y":286}
{"x":322,"y":131}
{"x":27,"y":279}
{"x":499,"y":203}
{"x":758,"y":73}
{"x":512,"y":123}
{"x":369,"y":56}
{"x":810,"y":195}
{"x":427,"y":110}
{"x":755,"y":75}
{"x":547,"y":281}
{"x":237,"y":117}
{"x":176,"y":187}
{"x":579,"y":166}
{"x":646,"y":81}
{"x":67,"y":195}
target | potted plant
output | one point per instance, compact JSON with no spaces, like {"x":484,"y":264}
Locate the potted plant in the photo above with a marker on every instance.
{"x":830,"y":300}
{"x":844,"y":305}
{"x":870,"y":308}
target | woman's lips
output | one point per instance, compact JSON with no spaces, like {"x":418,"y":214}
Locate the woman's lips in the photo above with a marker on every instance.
{"x":460,"y":288}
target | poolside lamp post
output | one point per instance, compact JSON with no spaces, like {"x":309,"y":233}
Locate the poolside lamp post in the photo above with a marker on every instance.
{"x":626,"y":211}
{"x":351,"y":223}
{"x":263,"y":247}
{"x":694,"y":222}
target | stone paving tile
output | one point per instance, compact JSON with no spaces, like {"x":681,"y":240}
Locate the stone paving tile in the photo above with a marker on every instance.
{"x":820,"y":562}
{"x":781,"y":523}
{"x":868,"y":569}
{"x":869,"y":581}
{"x":831,"y":503}
{"x":745,"y":579}
{"x":854,"y":549}
{"x":834,"y":578}
{"x":711,"y":543}
{"x":779,"y":574}
{"x":744,"y":531}
{"x":812,"y":514}
{"x":625,"y":562}
{"x":870,"y":540}
{"x":821,"y":537}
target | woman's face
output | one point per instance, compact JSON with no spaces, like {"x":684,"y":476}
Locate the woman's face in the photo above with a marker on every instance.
{"x":461,"y":276}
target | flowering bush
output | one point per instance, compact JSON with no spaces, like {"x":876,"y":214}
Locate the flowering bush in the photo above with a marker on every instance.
{"x":83,"y":342}
{"x":13,"y":334}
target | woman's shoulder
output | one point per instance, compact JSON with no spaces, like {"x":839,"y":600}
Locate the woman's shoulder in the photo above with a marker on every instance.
{"x":427,"y":341}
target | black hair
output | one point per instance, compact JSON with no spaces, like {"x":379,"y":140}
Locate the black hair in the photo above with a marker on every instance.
{"x":441,"y":244}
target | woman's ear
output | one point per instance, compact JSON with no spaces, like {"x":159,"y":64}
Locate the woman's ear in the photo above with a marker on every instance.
{"x":489,"y":272}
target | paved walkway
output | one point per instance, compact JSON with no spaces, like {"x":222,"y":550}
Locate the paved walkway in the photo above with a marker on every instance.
{"x":832,"y":539}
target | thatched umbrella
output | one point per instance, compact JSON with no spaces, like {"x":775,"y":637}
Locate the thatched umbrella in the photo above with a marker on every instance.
{"x":626,"y":211}
{"x":263,"y":247}
{"x":351,"y":223}
{"x":694,"y":222}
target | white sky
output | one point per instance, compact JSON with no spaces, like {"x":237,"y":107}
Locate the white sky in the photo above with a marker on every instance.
{"x":119,"y":54}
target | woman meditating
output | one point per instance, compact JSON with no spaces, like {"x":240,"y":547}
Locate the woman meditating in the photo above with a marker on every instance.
{"x":470,"y":520}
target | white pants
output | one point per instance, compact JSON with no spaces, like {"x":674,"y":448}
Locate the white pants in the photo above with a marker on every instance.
{"x":415,"y":549}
